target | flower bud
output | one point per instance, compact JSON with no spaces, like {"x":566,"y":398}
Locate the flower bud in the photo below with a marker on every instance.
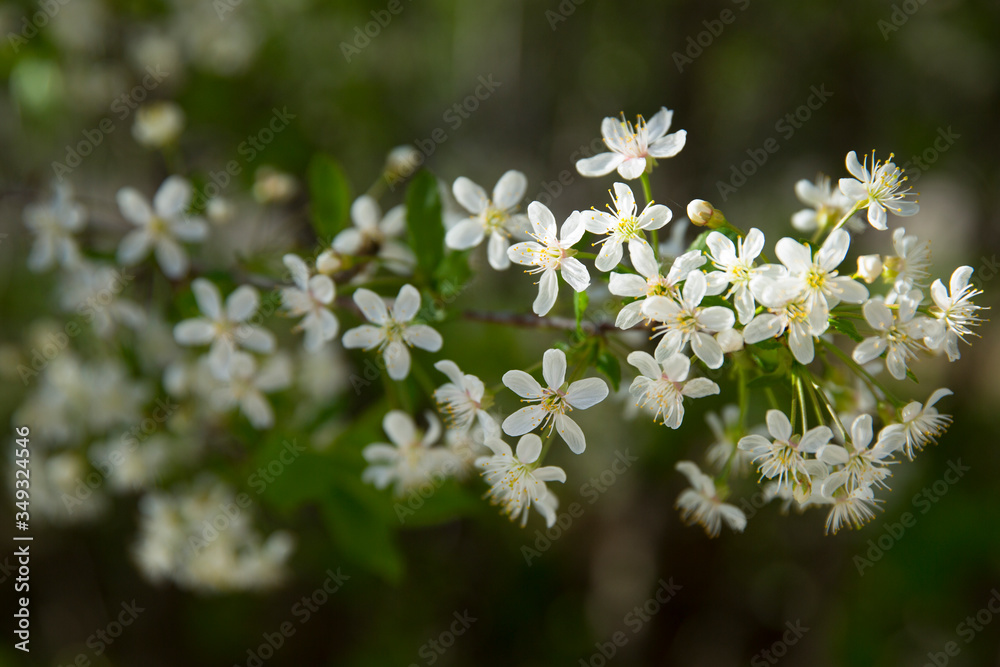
{"x":729,"y":340}
{"x":272,"y":186}
{"x":402,"y":161}
{"x":329,"y":262}
{"x":869,"y":267}
{"x":158,"y":124}
{"x":220,"y":210}
{"x":703,"y":214}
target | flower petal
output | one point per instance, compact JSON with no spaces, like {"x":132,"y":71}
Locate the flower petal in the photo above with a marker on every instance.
{"x":522,"y":384}
{"x":509,"y":190}
{"x":372,"y":306}
{"x":571,"y":433}
{"x":472,"y":197}
{"x":583,"y":394}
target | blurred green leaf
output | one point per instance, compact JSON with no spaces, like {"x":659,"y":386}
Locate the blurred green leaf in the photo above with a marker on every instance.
{"x":847,"y":328}
{"x":331,"y":196}
{"x":608,"y":364}
{"x":580,"y":301}
{"x":423,"y":219}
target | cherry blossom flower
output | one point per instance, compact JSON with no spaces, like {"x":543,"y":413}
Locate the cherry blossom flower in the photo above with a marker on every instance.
{"x":623,"y":225}
{"x":224,"y":329}
{"x":633,"y":148}
{"x":878,"y":189}
{"x":311,"y":296}
{"x":815,"y":277}
{"x":462,"y":399}
{"x":827,"y":206}
{"x":244,"y":384}
{"x":552,"y":253}
{"x":494,"y":216}
{"x":392,"y":331}
{"x":54,"y":225}
{"x":910,"y":266}
{"x":784,"y":457}
{"x":373,"y":232}
{"x":410,"y":460}
{"x":954,"y":311}
{"x":649,"y":282}
{"x":516,"y":483}
{"x":921,"y":424}
{"x":898,"y":334}
{"x":554,"y":401}
{"x":701,"y":504}
{"x":865,"y":465}
{"x":785,"y":313}
{"x":686,"y":321}
{"x":662,"y":387}
{"x":161,"y":227}
{"x":736,"y":268}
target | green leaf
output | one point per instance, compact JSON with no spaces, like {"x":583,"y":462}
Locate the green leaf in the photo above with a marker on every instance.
{"x":452,"y":275}
{"x":331,"y":196}
{"x":913,"y":377}
{"x":423,"y":220}
{"x":846,"y":327}
{"x":580,"y":301}
{"x":610,"y":367}
{"x":769,"y":380}
{"x":701,"y":242}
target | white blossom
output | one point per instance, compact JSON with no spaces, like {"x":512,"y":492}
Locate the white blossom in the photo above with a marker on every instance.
{"x":224,"y":328}
{"x":784,"y":457}
{"x":686,"y":321}
{"x":623,"y":225}
{"x":553,"y":401}
{"x":954,"y":311}
{"x":701,"y":504}
{"x":878,"y":189}
{"x":462,"y":399}
{"x":373,"y":232}
{"x":736,"y":269}
{"x":633,"y":148}
{"x":662,"y":387}
{"x":55,"y":224}
{"x":161,"y":227}
{"x":920,"y":424}
{"x":392,"y":331}
{"x":898,"y":334}
{"x":516,"y":482}
{"x":311,"y":296}
{"x":410,"y":460}
{"x":550,"y":254}
{"x":495,"y":216}
{"x":650,"y":282}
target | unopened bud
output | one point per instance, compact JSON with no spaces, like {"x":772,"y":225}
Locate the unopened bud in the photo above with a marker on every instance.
{"x":402,"y":161}
{"x":869,"y":267}
{"x":729,"y":340}
{"x":158,"y":124}
{"x":703,"y":214}
{"x":272,"y":186}
{"x":219,"y":210}
{"x":329,"y":262}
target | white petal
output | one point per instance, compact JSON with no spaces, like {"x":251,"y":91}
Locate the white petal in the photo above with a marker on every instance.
{"x":400,"y":428}
{"x":626,"y":284}
{"x":542,"y":221}
{"x":716,"y":318}
{"x":723,"y":250}
{"x":366,"y":336}
{"x":632,"y":168}
{"x":466,"y":234}
{"x":695,"y":288}
{"x":298,"y":269}
{"x":778,"y":425}
{"x":133,"y":206}
{"x":794,"y":255}
{"x":699,"y":388}
{"x":668,"y":146}
{"x":571,"y":433}
{"x":646,"y":364}
{"x":497,"y":251}
{"x":763,"y":327}
{"x":554,"y":368}
{"x":834,"y":250}
{"x":242,"y":303}
{"x":423,"y":336}
{"x":659,"y":308}
{"x":134,"y":247}
{"x":371,"y":305}
{"x":509,"y":190}
{"x":256,"y":339}
{"x":196,"y":331}
{"x":861,"y":431}
{"x":365,"y":212}
{"x":600,"y":164}
{"x":407,"y":304}
{"x":548,"y":290}
{"x":572,"y":230}
{"x":472,"y":197}
{"x":397,"y":360}
{"x":655,"y":217}
{"x":583,"y":394}
{"x":171,"y":258}
{"x":522,"y":384}
{"x":575,"y":274}
{"x":451,"y":369}
{"x":528,"y":448}
{"x":878,"y":315}
{"x":868,"y":349}
{"x":172,"y":198}
{"x":707,"y":349}
{"x":322,"y":289}
{"x":524,"y":420}
{"x":644,"y":261}
{"x":676,"y":367}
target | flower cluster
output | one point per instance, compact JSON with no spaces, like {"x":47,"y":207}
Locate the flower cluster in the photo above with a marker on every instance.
{"x":719,"y":317}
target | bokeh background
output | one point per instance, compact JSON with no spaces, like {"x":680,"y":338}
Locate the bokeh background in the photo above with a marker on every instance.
{"x":899,"y":75}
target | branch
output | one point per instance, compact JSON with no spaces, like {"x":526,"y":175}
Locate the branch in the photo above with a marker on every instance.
{"x":535,"y":322}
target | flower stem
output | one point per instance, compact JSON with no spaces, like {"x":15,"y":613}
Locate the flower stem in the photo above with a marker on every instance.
{"x":648,"y":193}
{"x":868,"y":377}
